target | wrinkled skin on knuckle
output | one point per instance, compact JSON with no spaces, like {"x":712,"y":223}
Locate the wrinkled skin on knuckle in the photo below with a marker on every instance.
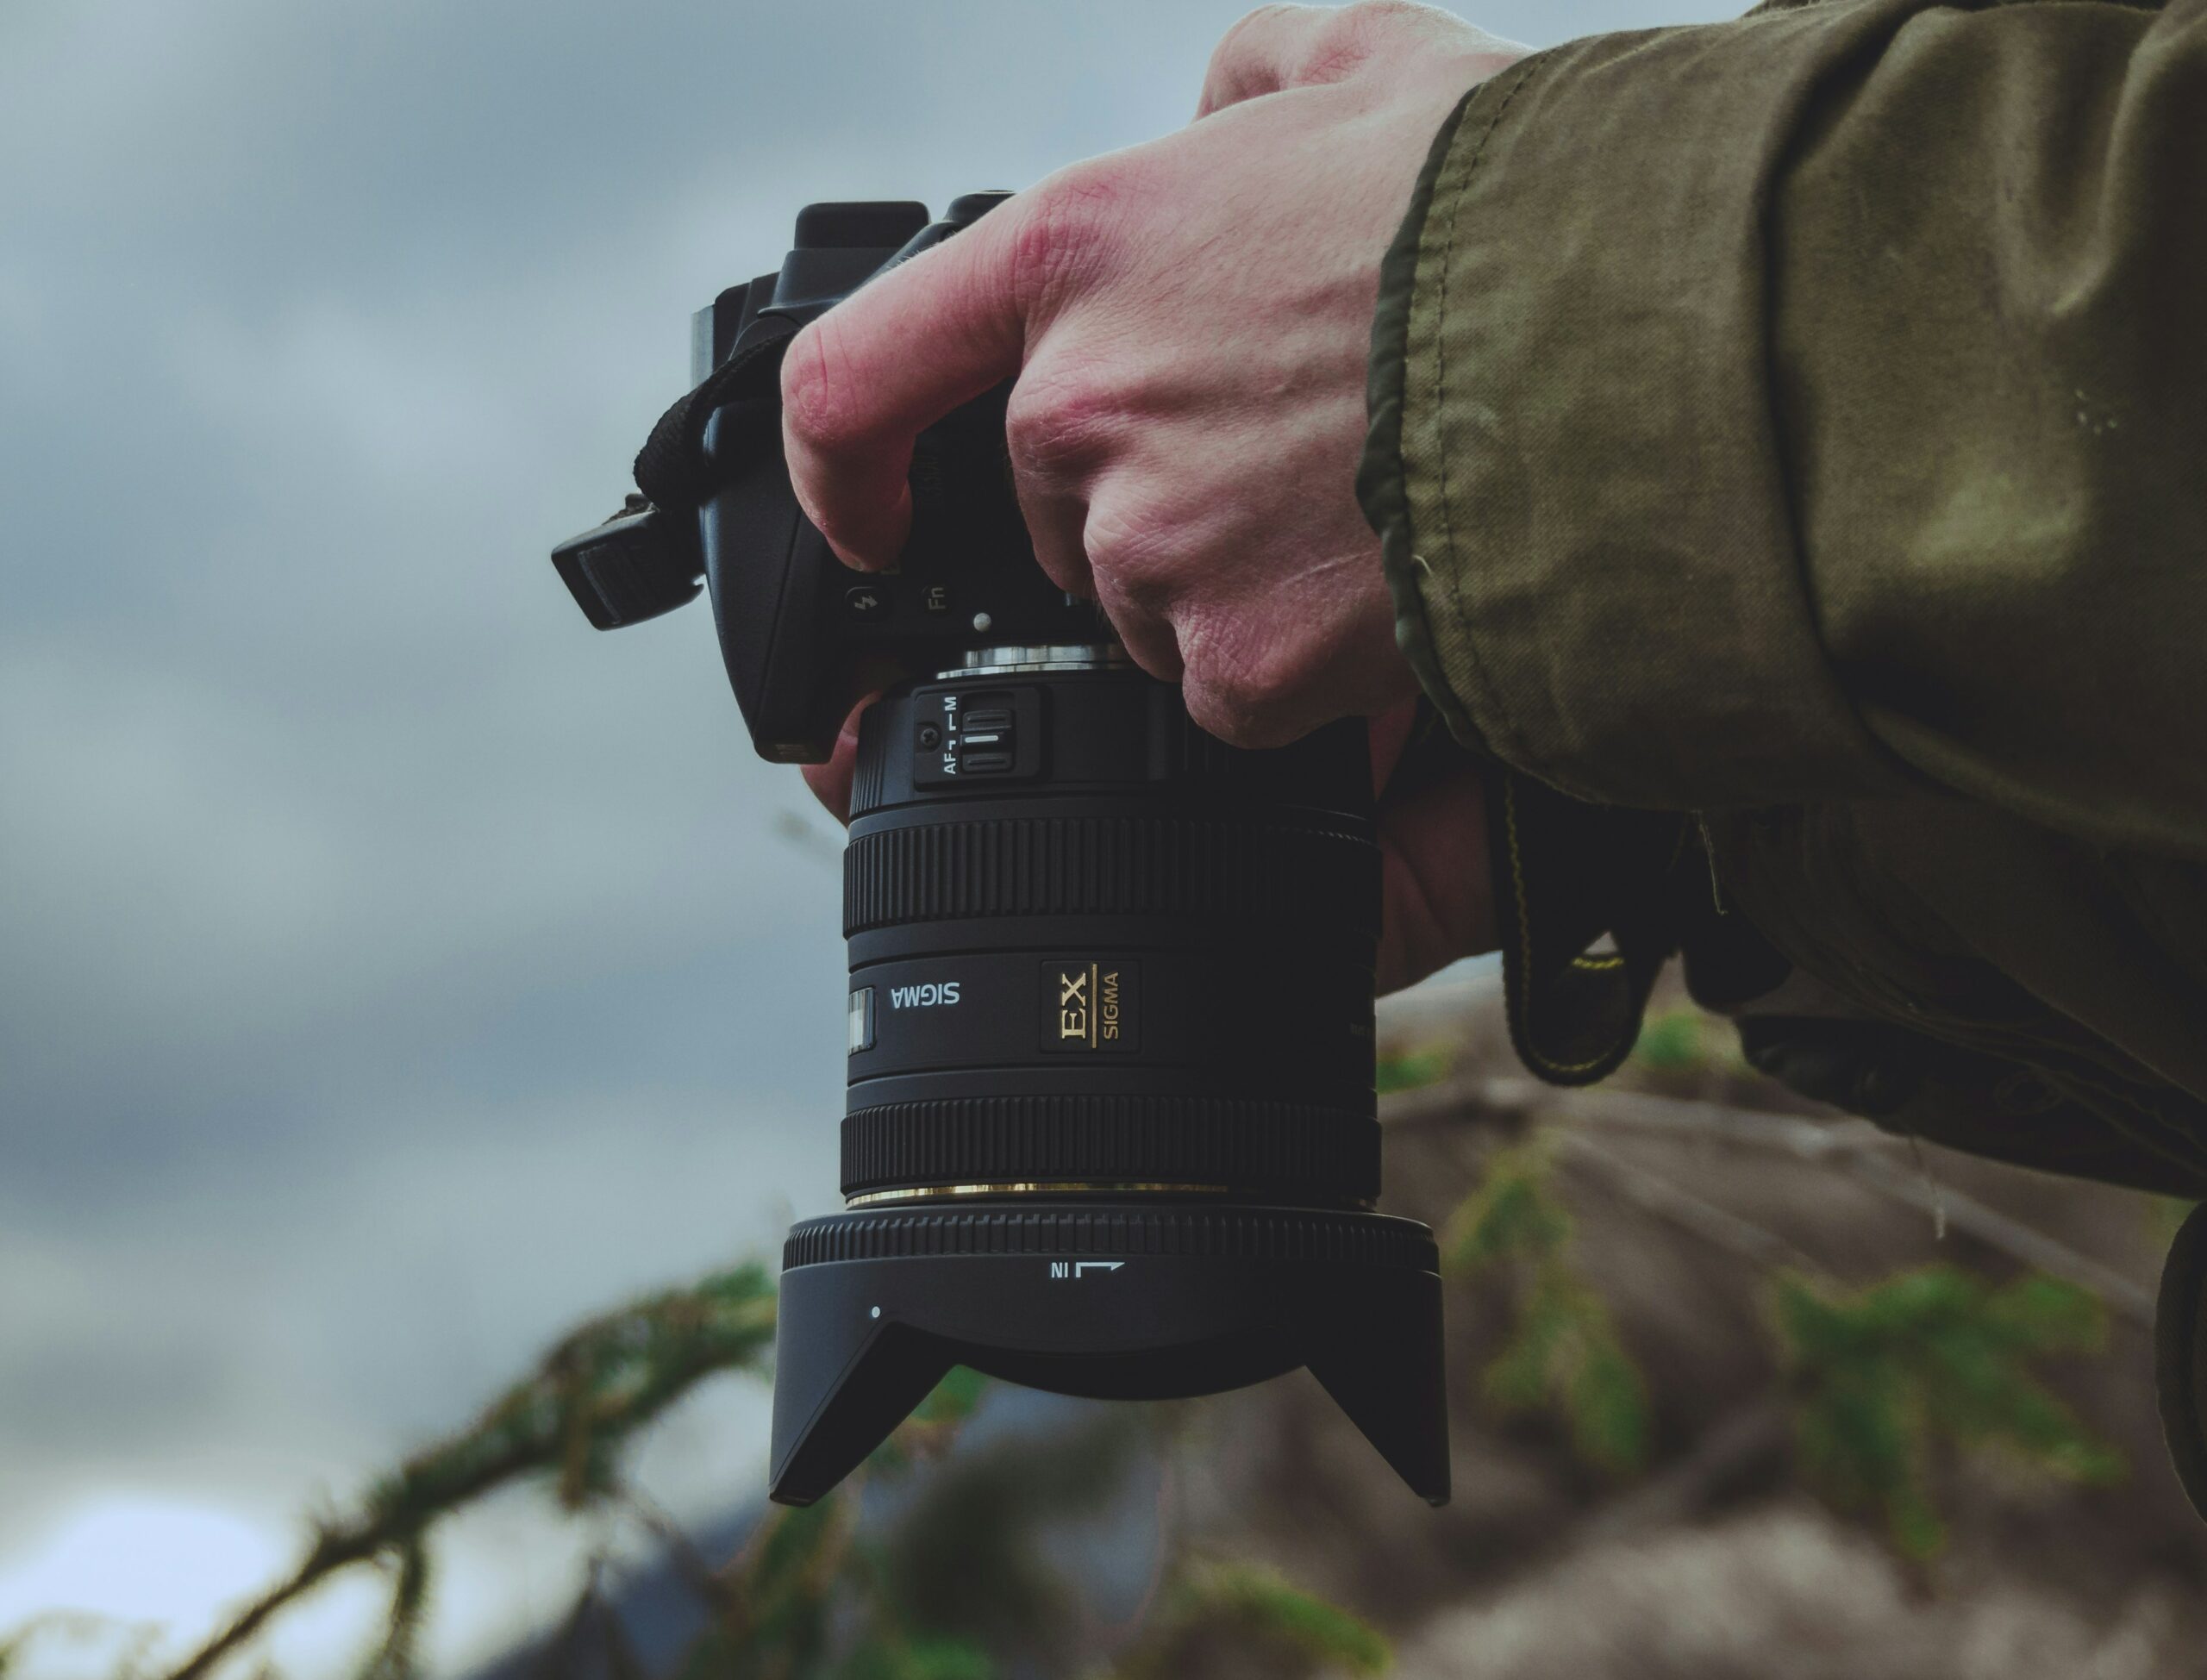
{"x":1137,"y":575}
{"x":1372,"y":31}
{"x":1132,"y":557}
{"x":1061,"y":422}
{"x":1250,"y":684}
{"x":1223,"y":75}
{"x":1068,"y":237}
{"x":1347,"y":43}
{"x":818,"y":401}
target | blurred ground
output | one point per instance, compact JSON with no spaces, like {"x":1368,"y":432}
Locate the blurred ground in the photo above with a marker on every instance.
{"x":1713,"y":1562}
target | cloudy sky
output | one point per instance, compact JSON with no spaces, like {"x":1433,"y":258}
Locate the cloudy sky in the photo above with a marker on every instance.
{"x":390,"y":968}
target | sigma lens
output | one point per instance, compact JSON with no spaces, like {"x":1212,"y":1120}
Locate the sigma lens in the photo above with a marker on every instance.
{"x":1111,"y":1126}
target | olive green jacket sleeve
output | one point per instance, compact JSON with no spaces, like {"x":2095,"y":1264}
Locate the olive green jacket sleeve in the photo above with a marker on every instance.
{"x":1801,"y":422}
{"x":1794,"y":404}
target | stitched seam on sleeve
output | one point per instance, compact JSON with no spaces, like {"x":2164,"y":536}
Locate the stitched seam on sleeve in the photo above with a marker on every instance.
{"x":1495,"y":708}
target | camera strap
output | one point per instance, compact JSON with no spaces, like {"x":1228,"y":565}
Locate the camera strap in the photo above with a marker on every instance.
{"x":646,"y":558}
{"x":671,"y":469}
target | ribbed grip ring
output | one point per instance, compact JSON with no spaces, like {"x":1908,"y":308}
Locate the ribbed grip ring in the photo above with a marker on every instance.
{"x":1246,"y":1144}
{"x":1210,"y":1232}
{"x":1158,"y":866}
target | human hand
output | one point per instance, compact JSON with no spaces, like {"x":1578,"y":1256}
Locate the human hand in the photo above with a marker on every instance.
{"x":1189,"y":322}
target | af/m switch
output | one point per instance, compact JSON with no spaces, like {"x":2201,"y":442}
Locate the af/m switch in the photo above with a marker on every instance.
{"x":987,"y":741}
{"x":991,"y":733}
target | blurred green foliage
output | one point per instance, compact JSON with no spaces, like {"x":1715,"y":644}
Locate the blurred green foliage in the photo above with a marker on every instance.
{"x":1407,"y":1070}
{"x":1674,"y":1039}
{"x":1218,"y":1597}
{"x":1881,"y":1375}
{"x":1674,"y":1042}
{"x":1562,"y":1350}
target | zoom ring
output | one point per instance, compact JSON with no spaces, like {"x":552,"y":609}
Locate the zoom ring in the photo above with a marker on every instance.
{"x":1201,"y":1231}
{"x":1173,"y":866}
{"x":1249,"y":1144}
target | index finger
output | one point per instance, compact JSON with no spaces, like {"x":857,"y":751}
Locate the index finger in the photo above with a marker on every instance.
{"x":863,"y":380}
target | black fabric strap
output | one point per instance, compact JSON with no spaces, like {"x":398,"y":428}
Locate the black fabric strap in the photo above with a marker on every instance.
{"x":1564,"y":874}
{"x":671,"y":469}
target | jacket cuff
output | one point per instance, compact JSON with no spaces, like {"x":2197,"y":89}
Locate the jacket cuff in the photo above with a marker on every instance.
{"x":1571,"y":460}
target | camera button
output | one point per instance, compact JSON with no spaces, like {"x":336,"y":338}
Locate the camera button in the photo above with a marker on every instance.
{"x":866,"y":601}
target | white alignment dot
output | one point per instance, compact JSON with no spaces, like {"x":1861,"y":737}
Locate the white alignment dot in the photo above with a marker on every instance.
{"x":876,"y":1313}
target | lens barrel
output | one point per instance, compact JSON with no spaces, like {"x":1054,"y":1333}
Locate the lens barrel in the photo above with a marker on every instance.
{"x":1111,"y":1128}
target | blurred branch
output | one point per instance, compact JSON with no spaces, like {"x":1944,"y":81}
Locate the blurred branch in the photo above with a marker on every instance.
{"x":81,"y":1627}
{"x":1856,"y":1148}
{"x":600,"y":1384}
{"x":1751,"y":1439}
{"x":800,"y":831}
{"x":1654,"y":1193}
{"x":692,"y":1564}
{"x":1873,"y":1158}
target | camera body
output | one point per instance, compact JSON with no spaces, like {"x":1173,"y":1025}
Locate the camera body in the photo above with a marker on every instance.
{"x":1111,"y":1128}
{"x":803,"y":637}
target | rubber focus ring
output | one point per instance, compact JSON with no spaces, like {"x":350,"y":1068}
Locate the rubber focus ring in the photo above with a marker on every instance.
{"x":1249,"y":1144}
{"x":1173,"y":866}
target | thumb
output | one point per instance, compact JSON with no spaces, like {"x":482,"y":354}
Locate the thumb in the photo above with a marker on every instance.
{"x":1435,"y":903}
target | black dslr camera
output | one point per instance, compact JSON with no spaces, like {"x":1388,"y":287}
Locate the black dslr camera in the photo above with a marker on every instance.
{"x":1111,"y":1129}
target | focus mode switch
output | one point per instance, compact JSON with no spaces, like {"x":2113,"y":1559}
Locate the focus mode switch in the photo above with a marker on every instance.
{"x":983,"y":733}
{"x":987,"y":737}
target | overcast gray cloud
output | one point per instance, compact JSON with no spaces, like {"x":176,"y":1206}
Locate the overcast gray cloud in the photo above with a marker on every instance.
{"x":390,"y":968}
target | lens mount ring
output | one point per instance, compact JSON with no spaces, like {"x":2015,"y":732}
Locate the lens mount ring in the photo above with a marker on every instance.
{"x":949,"y":1193}
{"x":1066,"y":656}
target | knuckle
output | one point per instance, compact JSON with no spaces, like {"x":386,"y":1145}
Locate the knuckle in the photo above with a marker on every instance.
{"x":1128,"y":553}
{"x":1056,"y":424}
{"x":1246,"y":688}
{"x":1230,"y":58}
{"x":1068,"y":234}
{"x":816,"y":394}
{"x":1357,"y":34}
